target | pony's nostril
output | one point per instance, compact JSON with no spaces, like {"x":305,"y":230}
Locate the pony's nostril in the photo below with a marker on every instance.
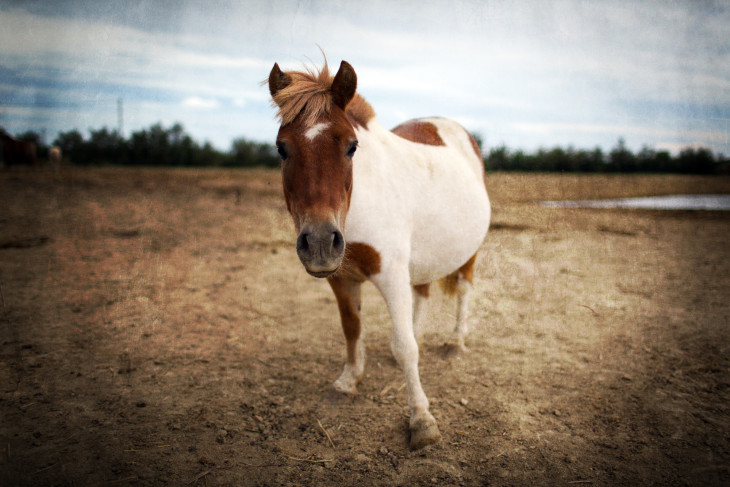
{"x":303,"y":242}
{"x":338,"y":242}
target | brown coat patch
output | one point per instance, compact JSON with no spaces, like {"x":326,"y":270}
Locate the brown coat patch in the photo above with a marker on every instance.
{"x":450,"y":282}
{"x":475,"y":145}
{"x":467,"y":270}
{"x":422,"y":290}
{"x":420,"y":132}
{"x":361,"y":261}
{"x":347,"y":293}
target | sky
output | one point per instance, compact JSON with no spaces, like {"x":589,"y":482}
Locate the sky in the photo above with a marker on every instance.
{"x":525,"y":74}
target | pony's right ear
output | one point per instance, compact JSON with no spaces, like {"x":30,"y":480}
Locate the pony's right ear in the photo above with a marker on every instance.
{"x":278,"y":80}
{"x":344,"y":85}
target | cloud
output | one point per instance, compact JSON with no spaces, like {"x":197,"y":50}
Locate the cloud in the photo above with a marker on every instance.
{"x":531,"y":73}
{"x":198,"y":102}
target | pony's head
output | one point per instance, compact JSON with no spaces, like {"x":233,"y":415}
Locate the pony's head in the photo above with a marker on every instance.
{"x":316,"y":142}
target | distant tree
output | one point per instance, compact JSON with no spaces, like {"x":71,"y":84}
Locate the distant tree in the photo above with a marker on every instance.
{"x":498,"y":159}
{"x":520,"y":161}
{"x":210,"y":156}
{"x":139,"y":148}
{"x":247,"y":153}
{"x":621,"y":159}
{"x":556,"y":159}
{"x":73,"y":147}
{"x":177,"y":133}
{"x":159,"y":146}
{"x":587,"y":161}
{"x":722,"y":164}
{"x":69,"y":142}
{"x":107,"y":146}
{"x":37,"y":139}
{"x":662,"y":162}
{"x":188,"y":151}
{"x":696,"y":161}
{"x":646,"y":160}
{"x":31,"y":136}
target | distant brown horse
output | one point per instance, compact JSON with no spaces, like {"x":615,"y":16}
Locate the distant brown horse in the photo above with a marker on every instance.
{"x":14,"y":151}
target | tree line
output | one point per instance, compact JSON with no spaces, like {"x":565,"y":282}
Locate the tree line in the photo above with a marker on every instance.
{"x":154,"y":146}
{"x":161,"y":146}
{"x":172,"y":146}
{"x":690,"y":160}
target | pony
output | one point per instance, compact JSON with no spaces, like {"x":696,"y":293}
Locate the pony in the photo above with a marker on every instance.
{"x":54,"y":158}
{"x":401,"y":208}
{"x":16,"y":151}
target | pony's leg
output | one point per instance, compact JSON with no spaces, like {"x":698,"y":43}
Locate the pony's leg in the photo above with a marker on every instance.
{"x":396,"y":290}
{"x":347,"y":293}
{"x":464,"y":279}
{"x":420,"y":295}
{"x":463,"y":291}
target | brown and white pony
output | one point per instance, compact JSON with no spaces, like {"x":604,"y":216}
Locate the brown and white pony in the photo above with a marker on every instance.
{"x":401,"y":208}
{"x":14,"y":151}
{"x":54,"y":158}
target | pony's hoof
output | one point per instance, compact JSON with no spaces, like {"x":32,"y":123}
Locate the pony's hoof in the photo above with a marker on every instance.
{"x":345,"y":386}
{"x":454,"y":350}
{"x":424,"y":432}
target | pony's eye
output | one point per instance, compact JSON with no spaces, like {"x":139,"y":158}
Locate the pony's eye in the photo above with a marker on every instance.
{"x":281,"y":150}
{"x":352,"y":149}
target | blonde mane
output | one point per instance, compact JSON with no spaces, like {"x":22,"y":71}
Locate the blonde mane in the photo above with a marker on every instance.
{"x":309,"y":94}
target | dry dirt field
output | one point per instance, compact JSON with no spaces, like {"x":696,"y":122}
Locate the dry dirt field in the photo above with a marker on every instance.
{"x":156,"y":328}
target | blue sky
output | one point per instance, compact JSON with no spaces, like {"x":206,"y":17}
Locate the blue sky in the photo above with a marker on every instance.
{"x":526,"y":74}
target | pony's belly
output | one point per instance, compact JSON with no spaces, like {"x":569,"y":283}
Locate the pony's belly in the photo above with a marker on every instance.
{"x":444,"y":244}
{"x":436,"y":238}
{"x":439,"y":263}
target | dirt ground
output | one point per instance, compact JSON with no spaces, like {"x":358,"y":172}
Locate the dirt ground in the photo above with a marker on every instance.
{"x":157,"y":329}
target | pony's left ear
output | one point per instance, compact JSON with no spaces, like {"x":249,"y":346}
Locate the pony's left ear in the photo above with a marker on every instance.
{"x":278,"y":80}
{"x":344,"y":85}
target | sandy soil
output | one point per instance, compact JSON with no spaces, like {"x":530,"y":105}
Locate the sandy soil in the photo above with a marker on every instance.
{"x":157,"y":329}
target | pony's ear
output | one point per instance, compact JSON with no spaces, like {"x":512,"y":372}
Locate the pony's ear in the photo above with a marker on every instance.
{"x":344,"y":85}
{"x":278,"y":80}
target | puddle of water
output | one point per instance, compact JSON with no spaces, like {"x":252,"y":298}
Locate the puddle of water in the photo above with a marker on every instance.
{"x":713,"y":202}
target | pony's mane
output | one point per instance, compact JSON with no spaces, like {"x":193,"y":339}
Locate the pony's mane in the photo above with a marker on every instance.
{"x":309,"y":94}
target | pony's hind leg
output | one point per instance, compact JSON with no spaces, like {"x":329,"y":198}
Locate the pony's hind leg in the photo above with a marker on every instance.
{"x":462,"y":314}
{"x":460,"y":283}
{"x":347,"y":293}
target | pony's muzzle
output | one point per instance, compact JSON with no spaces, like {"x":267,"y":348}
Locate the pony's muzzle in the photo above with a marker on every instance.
{"x":321,"y":249}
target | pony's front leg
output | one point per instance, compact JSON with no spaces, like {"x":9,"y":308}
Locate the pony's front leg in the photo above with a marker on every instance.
{"x":397,"y":292}
{"x":347,"y":293}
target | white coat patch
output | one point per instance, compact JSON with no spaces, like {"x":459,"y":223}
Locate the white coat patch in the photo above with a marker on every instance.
{"x":314,"y":131}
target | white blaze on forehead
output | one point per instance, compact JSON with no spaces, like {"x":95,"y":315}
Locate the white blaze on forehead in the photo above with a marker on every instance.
{"x":315,"y":130}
